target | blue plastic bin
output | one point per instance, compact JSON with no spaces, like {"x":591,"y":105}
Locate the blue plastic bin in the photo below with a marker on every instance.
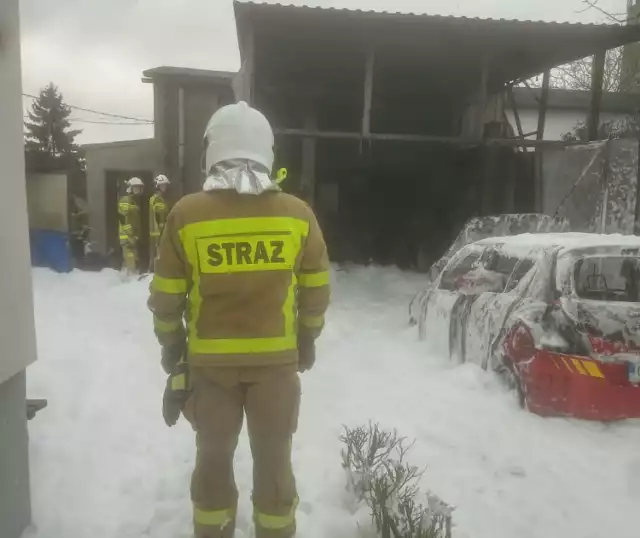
{"x":51,"y":249}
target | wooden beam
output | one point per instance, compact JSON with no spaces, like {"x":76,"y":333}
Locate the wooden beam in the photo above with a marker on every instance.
{"x":483,"y":96}
{"x":597,"y":83}
{"x":490,"y":159}
{"x":526,"y":135}
{"x":248,"y":66}
{"x":538,"y":181}
{"x":368,"y":93}
{"x":308,"y":177}
{"x":181,"y":134}
{"x":533,"y":92}
{"x":455,"y":140}
{"x":514,"y":107}
{"x":539,"y":156}
{"x":313,"y":133}
{"x":510,"y":182}
{"x":544,"y":104}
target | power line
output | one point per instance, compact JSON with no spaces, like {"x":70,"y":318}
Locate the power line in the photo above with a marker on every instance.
{"x":78,"y":120}
{"x":119,"y":116}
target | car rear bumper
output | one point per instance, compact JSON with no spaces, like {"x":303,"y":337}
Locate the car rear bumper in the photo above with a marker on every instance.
{"x":556,"y":384}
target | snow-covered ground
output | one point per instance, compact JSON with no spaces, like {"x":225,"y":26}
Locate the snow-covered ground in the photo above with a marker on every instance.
{"x":105,"y":466}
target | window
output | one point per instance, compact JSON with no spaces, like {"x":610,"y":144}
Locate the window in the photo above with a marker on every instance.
{"x":503,"y":264}
{"x":520,"y":270}
{"x":488,"y":271}
{"x":608,"y":278}
{"x":451,"y":276}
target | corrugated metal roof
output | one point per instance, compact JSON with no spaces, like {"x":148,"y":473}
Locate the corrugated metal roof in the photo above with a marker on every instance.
{"x":412,"y":14}
{"x":516,"y":49}
{"x":171,"y":71}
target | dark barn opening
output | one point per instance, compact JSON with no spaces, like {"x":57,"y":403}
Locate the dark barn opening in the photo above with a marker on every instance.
{"x":385,"y":201}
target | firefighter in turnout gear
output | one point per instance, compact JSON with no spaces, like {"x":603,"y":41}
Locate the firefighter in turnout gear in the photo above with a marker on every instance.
{"x":246,"y":266}
{"x":129,"y":224}
{"x":158,"y":211}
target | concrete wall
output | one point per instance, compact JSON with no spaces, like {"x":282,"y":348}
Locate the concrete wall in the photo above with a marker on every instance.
{"x":16,"y":329}
{"x":166,"y":118}
{"x":47,"y":202}
{"x":15,"y":506}
{"x":16,"y":307}
{"x":182,"y":109}
{"x":199,"y":105}
{"x":133,"y":156}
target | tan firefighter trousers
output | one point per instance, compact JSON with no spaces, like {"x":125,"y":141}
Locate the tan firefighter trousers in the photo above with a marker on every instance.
{"x":129,"y":259}
{"x":154,"y":241}
{"x":270,"y":397}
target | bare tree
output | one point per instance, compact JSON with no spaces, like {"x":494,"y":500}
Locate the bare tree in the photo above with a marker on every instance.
{"x":617,"y":18}
{"x":577,"y":75}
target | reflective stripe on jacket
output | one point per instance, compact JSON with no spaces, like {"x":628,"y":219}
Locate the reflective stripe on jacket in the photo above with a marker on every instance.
{"x":247,"y":273}
{"x":158,"y":210}
{"x":128,"y":219}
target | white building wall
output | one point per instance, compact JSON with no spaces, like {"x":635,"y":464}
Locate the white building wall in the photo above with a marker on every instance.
{"x":558,"y":122}
{"x":17,"y":333}
{"x":17,"y":327}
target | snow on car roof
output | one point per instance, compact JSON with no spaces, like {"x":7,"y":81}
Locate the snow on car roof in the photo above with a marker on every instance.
{"x":566,"y":241}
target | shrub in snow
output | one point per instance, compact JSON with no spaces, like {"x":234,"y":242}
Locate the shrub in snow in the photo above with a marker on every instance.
{"x":378,"y":474}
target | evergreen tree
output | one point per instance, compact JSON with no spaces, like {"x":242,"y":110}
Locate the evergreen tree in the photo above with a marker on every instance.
{"x":49,"y":141}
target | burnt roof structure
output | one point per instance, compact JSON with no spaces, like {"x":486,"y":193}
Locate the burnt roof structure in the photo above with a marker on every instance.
{"x":404,"y":77}
{"x":455,"y":47}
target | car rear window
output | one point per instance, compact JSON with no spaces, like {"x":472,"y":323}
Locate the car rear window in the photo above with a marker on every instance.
{"x":457,"y":270}
{"x":608,"y":278}
{"x":503,"y":263}
{"x":493,"y":271}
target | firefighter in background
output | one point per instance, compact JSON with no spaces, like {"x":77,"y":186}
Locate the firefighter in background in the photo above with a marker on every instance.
{"x":158,"y":211}
{"x":249,"y":264}
{"x":129,"y":224}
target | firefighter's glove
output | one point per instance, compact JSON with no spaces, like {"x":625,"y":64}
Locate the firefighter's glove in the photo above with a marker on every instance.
{"x":171,"y":356}
{"x":306,"y":353}
{"x":176,"y":394}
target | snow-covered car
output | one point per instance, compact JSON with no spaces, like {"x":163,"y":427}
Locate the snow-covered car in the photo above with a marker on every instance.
{"x":557,"y":314}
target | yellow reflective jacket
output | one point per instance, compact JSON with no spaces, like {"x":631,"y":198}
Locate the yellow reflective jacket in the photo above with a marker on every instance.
{"x":129,"y":219}
{"x":247,"y":273}
{"x":158,"y":211}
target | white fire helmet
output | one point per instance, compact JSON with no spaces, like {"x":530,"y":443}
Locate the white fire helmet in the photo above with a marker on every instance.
{"x":161,"y":180}
{"x":238,"y":132}
{"x":134,"y":182}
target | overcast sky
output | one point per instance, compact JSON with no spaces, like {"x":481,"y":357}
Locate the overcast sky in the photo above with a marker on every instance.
{"x":96,"y":50}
